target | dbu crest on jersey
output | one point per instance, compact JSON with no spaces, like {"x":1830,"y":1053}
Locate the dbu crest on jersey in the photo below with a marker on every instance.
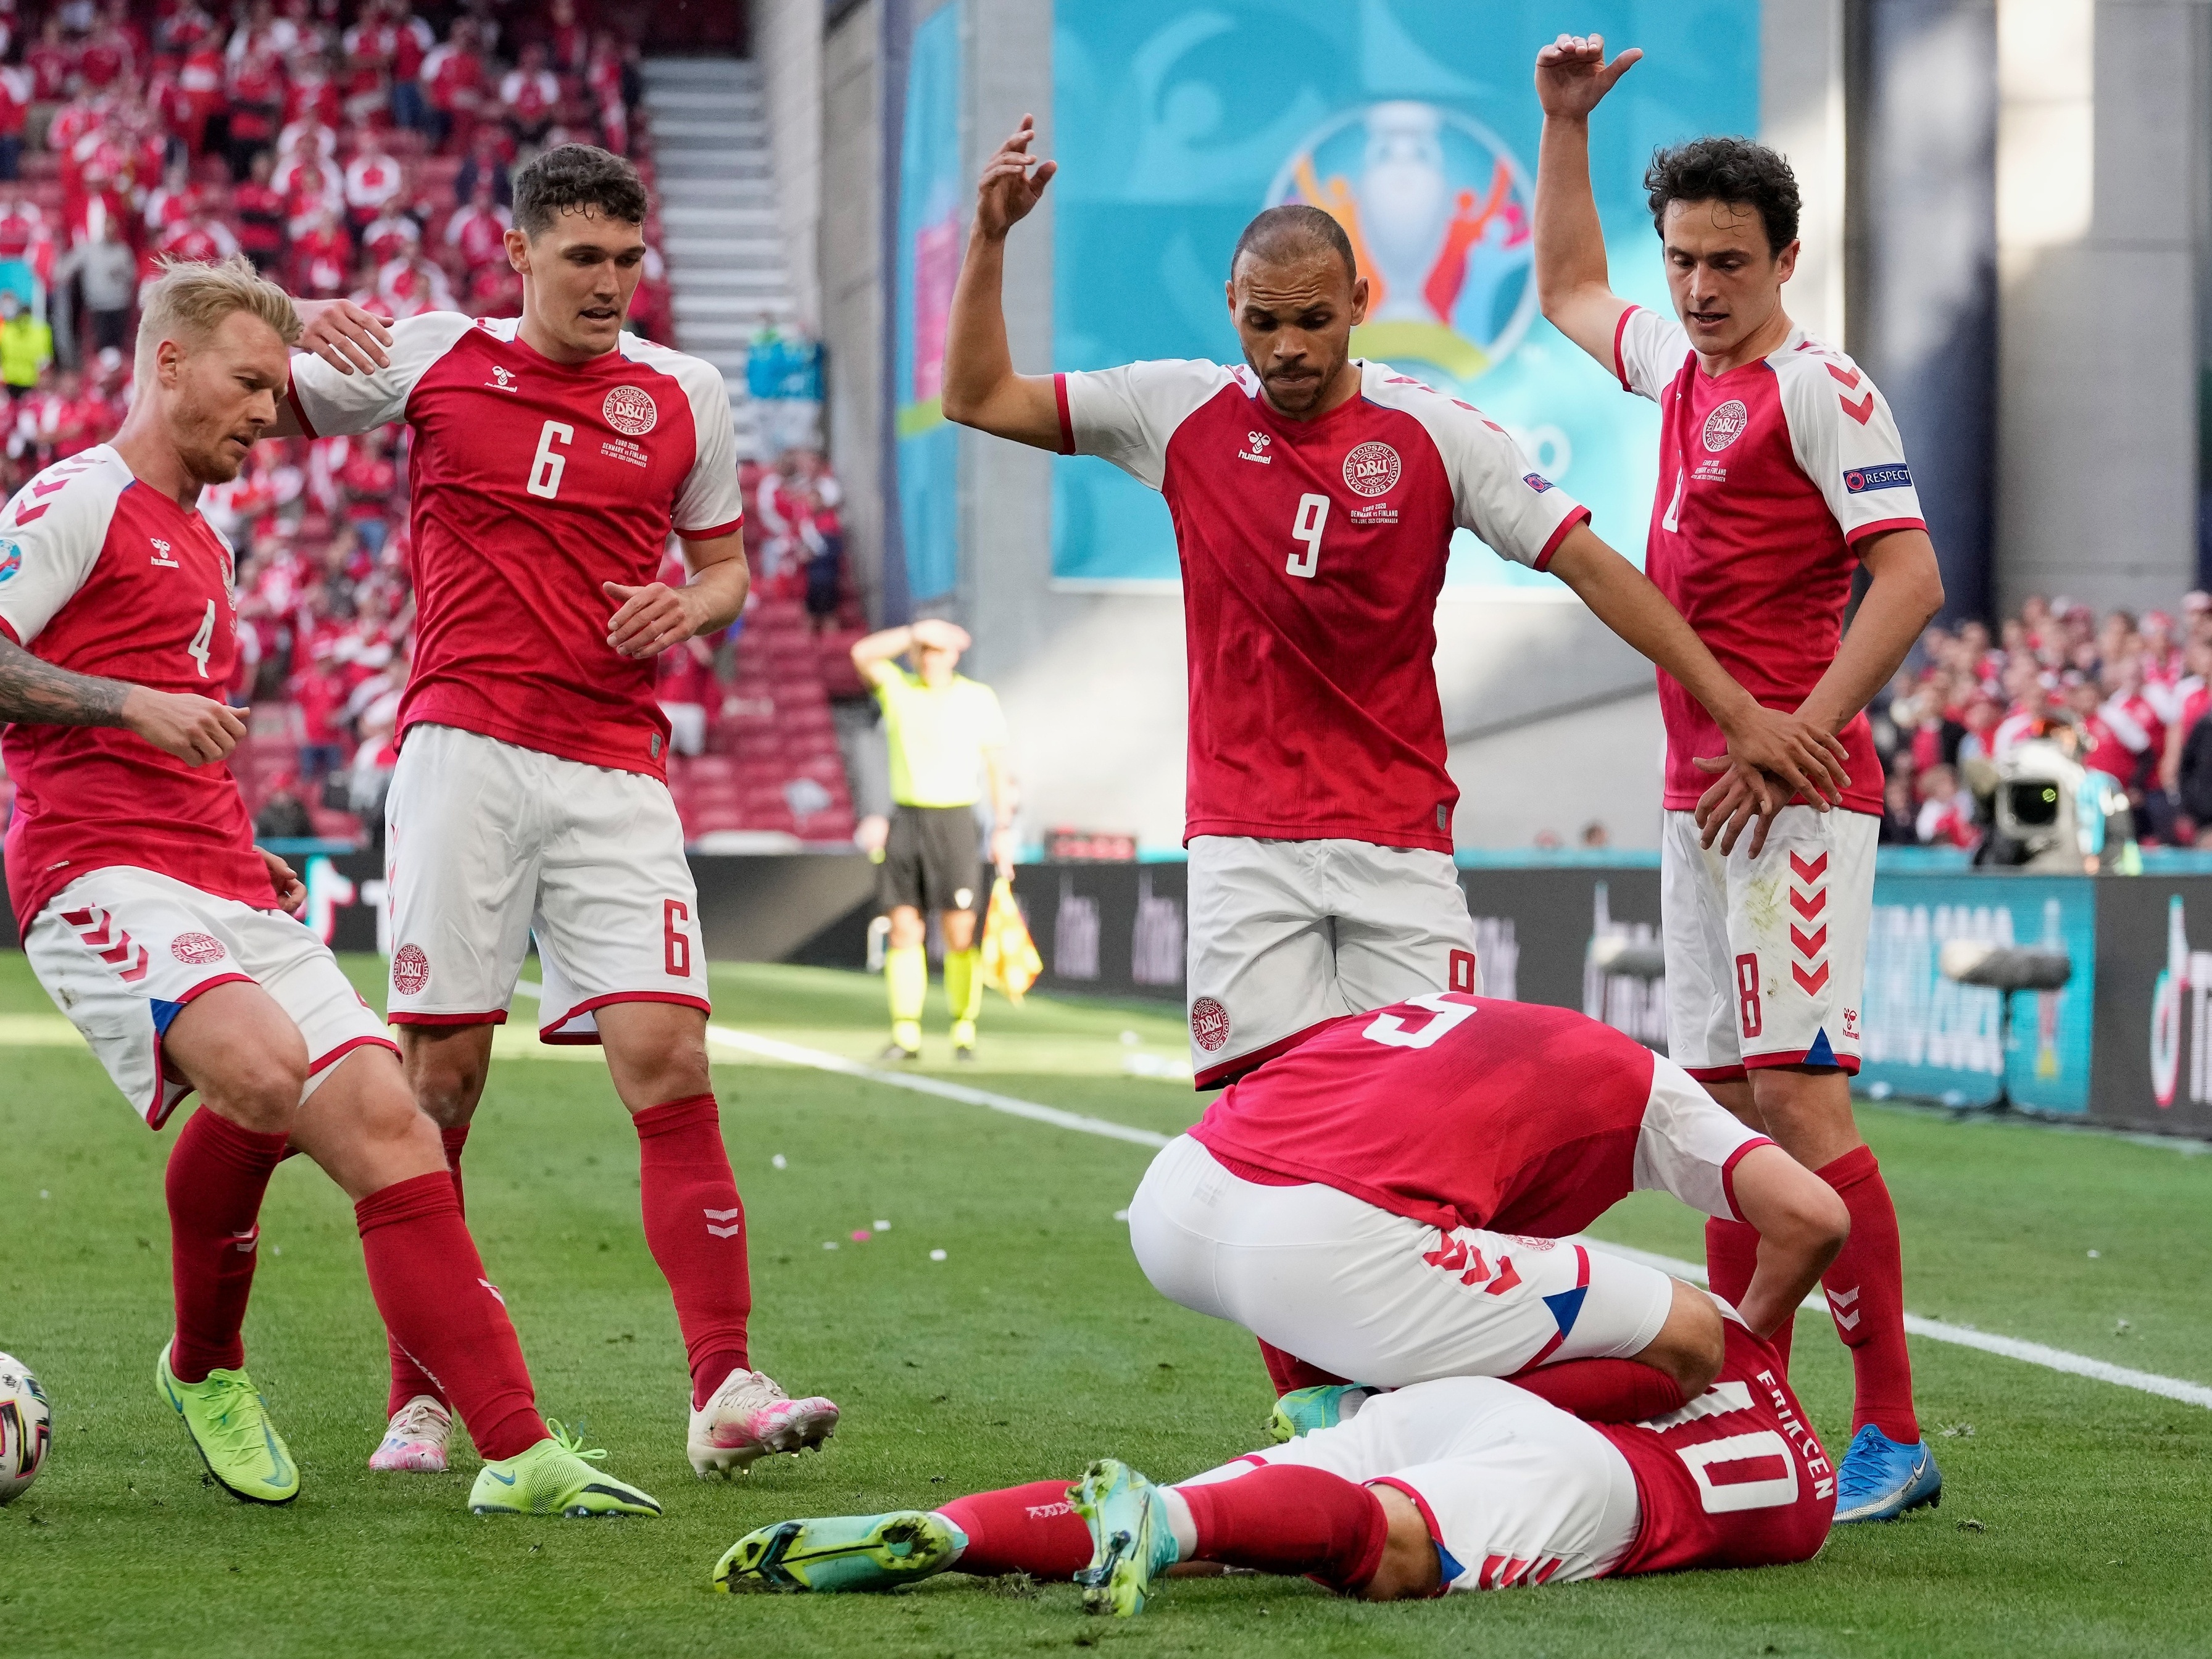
{"x":1209,"y":1023}
{"x":410,"y":969}
{"x":1726,"y":424}
{"x":1371,"y":468}
{"x":630,"y":410}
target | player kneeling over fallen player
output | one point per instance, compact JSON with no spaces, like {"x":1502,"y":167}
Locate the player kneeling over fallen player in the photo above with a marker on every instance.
{"x":1381,"y":1205}
{"x":1459,"y":1484}
{"x":159,"y":930}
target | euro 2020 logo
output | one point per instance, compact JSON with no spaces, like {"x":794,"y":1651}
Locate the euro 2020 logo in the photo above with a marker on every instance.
{"x":12,"y":559}
{"x":1439,"y":213}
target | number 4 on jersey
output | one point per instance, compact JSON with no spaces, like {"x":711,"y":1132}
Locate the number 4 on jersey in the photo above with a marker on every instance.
{"x":203,"y":640}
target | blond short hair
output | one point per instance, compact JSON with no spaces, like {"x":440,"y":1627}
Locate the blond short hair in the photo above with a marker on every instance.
{"x":191,"y":298}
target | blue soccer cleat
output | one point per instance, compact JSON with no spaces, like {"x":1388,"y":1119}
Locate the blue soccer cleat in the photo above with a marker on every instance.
{"x":1880,"y":1479}
{"x":1324,"y":1406}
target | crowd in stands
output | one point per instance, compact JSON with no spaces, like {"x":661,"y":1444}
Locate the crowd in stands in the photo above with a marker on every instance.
{"x":360,"y":149}
{"x":2125,"y":695}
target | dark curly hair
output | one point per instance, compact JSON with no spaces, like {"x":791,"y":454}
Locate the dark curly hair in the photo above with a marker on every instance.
{"x":577,"y":176}
{"x":1732,"y":170}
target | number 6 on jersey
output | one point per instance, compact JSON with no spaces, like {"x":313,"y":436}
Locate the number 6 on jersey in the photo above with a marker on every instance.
{"x":1312,"y":514}
{"x":546,"y":467}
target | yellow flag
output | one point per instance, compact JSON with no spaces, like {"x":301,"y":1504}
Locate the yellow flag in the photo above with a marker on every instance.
{"x":1011,"y":963}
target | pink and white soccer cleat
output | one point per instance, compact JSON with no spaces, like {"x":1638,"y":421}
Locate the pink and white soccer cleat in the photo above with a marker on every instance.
{"x":415,"y":1443}
{"x":749,"y":1416}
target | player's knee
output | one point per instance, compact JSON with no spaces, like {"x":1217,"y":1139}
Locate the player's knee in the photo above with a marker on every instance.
{"x":959,"y":929}
{"x":906,"y":930}
{"x":446,"y":1084}
{"x":1409,"y":1569}
{"x":260,"y":1087}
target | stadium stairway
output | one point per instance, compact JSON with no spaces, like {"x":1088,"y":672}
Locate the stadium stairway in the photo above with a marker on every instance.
{"x":717,"y":211}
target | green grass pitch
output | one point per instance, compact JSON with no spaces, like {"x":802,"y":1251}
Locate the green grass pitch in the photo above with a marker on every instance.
{"x":2077,"y":1516}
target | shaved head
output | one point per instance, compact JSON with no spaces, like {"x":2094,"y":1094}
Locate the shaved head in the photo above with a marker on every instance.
{"x":1293,"y":232}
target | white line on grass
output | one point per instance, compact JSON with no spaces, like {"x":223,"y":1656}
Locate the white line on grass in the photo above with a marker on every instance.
{"x":1937,"y":1330}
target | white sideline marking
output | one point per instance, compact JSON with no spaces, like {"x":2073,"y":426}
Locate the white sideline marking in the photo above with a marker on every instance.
{"x":1965,"y":1336}
{"x":791,"y":1054}
{"x":1937,"y":1330}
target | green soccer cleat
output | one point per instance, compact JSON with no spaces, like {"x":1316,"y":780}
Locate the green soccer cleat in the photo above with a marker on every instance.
{"x":229,"y":1422}
{"x":843,"y":1553}
{"x":1131,"y":1543}
{"x":1301,"y":1411}
{"x":556,"y":1477}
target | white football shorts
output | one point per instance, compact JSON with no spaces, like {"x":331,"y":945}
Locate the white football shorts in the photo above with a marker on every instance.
{"x":1514,"y":1490}
{"x":1285,"y":934}
{"x":122,"y":951}
{"x":1766,"y":957}
{"x":1374,"y":1296}
{"x":488,"y":844}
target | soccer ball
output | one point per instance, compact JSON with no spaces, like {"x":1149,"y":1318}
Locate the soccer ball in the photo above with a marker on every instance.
{"x":25,"y":1428}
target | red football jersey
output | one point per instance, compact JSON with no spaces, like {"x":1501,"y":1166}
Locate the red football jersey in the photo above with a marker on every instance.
{"x":1458,"y":1111}
{"x":531,"y":482}
{"x":1769,"y":477}
{"x":1735,"y":1477}
{"x":1312,"y":555}
{"x":101,"y":574}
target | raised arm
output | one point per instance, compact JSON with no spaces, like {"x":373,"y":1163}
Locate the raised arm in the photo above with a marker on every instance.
{"x":1572,"y":76}
{"x":980,"y":387}
{"x":1800,"y":1223}
{"x":1795,"y":747}
{"x":887,"y":644}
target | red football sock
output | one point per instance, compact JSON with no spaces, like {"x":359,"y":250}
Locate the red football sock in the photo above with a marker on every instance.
{"x":1866,"y":1295}
{"x":1287,"y":1371}
{"x":217,"y":1174}
{"x":441,"y":1311}
{"x":1290,"y":1519}
{"x":1604,"y":1390}
{"x":408,"y":1378}
{"x":695,"y":1225}
{"x":1731,"y":1258}
{"x":1032,"y":1529}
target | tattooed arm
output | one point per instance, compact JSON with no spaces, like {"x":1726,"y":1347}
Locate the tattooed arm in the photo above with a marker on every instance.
{"x":196,"y":730}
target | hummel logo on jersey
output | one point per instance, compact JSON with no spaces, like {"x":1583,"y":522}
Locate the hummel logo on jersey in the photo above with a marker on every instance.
{"x":503,"y":379}
{"x":1258,"y":451}
{"x":161,"y":555}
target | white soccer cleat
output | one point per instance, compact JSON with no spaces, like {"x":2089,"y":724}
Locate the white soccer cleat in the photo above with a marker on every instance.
{"x":415,"y":1442}
{"x":751,"y":1416}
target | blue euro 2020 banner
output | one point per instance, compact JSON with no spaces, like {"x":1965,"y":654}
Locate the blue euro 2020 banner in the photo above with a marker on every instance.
{"x":1415,"y":123}
{"x":934,"y":211}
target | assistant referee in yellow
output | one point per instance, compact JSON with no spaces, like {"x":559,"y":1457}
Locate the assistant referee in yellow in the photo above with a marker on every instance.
{"x":946,"y":734}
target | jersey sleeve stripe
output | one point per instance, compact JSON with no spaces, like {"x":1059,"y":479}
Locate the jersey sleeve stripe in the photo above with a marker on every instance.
{"x":1727,"y":1173}
{"x":1882,"y":527}
{"x":1067,"y":421}
{"x":729,"y":529}
{"x":1619,"y":363}
{"x":1580,"y":515}
{"x":298,"y":411}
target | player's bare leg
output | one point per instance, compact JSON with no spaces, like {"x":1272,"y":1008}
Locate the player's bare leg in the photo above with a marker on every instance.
{"x":695,"y":1225}
{"x":1808,"y":1111}
{"x":1409,"y":1569}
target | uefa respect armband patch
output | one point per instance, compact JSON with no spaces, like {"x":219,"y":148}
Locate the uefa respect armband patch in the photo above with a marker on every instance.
{"x":1890,"y":475}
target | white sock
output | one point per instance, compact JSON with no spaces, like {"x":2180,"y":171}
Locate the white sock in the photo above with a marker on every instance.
{"x":958,"y":1549}
{"x":1181,"y":1524}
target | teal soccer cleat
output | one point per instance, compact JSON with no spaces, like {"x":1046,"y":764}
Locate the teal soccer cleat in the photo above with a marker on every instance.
{"x":1132,"y":1545}
{"x":842,"y":1553}
{"x":1882,"y":1480}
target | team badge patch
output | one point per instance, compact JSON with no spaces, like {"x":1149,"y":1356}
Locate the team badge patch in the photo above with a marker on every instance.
{"x":410,"y":969}
{"x":1371,"y":468}
{"x":1209,"y":1024}
{"x":197,"y":948}
{"x":1536,"y":481}
{"x":1890,"y":475}
{"x":12,"y":559}
{"x":1726,"y":424}
{"x":630,"y":410}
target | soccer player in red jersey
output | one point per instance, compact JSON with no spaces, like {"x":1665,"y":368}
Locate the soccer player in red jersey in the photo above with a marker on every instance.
{"x":1382,"y":1203}
{"x":1314,"y":497}
{"x":159,"y":930}
{"x":1781,"y":476}
{"x":1465,"y":1483}
{"x":554,"y":456}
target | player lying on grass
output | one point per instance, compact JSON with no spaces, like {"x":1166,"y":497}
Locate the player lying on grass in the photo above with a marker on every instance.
{"x":1380,"y":1205}
{"x":555,"y":457}
{"x":1458,"y":1483}
{"x":159,"y":930}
